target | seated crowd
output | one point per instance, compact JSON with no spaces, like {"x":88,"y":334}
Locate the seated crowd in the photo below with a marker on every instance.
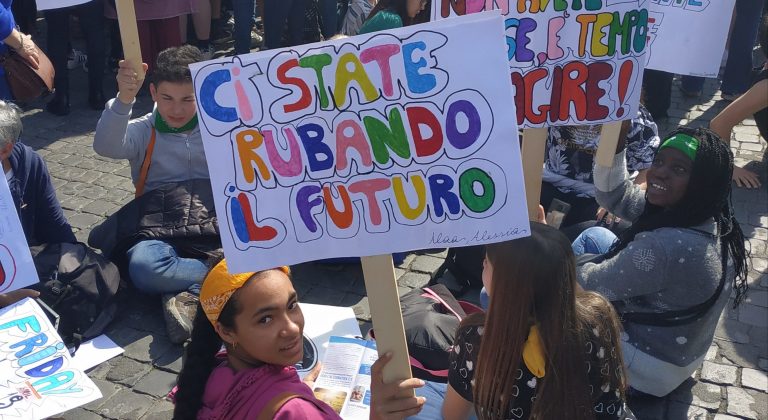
{"x":627,"y":308}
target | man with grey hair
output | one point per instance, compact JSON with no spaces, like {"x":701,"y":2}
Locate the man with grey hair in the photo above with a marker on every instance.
{"x":30,"y":184}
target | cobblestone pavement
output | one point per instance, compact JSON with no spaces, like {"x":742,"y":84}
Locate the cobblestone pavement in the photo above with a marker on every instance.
{"x":732,"y":383}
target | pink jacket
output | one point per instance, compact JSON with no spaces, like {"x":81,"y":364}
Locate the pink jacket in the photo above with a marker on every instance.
{"x":243,"y":395}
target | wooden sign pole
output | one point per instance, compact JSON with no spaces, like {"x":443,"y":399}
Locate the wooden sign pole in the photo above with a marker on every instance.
{"x":129,"y":33}
{"x":381,"y":288}
{"x":606,"y":149}
{"x":534,"y":145}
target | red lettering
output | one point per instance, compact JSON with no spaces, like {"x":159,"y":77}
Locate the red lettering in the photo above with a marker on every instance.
{"x":572,"y":92}
{"x":598,"y":71}
{"x":419,"y":116}
{"x":306,"y":96}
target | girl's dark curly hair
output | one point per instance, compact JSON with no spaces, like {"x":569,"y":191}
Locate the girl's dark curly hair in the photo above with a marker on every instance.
{"x":708,"y":196}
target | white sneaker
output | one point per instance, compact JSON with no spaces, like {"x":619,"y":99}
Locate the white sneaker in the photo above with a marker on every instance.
{"x":257,"y":40}
{"x":77,"y":58}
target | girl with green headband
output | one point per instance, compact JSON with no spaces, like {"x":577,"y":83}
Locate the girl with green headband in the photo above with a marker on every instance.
{"x":672,"y":272}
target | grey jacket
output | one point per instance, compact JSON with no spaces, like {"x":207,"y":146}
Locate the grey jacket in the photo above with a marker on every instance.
{"x":661,"y":270}
{"x":176,"y":157}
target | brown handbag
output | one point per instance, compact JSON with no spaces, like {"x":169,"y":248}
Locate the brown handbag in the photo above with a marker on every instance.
{"x":25,"y":82}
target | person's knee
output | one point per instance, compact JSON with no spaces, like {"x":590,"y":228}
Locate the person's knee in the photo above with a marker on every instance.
{"x":148,"y":263}
{"x":598,"y":236}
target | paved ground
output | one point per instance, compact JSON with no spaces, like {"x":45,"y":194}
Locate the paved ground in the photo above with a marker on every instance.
{"x":731,"y":384}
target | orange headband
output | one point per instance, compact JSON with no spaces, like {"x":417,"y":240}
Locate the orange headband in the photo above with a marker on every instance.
{"x":218,"y":287}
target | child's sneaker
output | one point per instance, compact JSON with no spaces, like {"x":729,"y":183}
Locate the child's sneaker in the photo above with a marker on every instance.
{"x":77,"y":58}
{"x":179,"y":312}
{"x":257,"y":40}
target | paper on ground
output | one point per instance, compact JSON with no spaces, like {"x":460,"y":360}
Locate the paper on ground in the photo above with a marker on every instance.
{"x":320,"y":323}
{"x":96,"y":351}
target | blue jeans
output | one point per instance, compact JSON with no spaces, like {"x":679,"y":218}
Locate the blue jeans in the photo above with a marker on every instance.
{"x":155,"y":267}
{"x":738,"y":67}
{"x":243,"y":11}
{"x":434,"y":392}
{"x":276,"y":14}
{"x":595,"y":240}
{"x":485,"y":300}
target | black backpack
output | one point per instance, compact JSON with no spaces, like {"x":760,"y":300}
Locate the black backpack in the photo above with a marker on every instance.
{"x":80,"y":286}
{"x":431,"y":316}
{"x":461,"y":270}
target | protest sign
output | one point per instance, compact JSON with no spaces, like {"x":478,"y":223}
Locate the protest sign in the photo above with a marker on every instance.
{"x":362,"y":146}
{"x":57,"y":4}
{"x":688,"y":36}
{"x":16,"y":267}
{"x":571,"y":61}
{"x":37,"y":376}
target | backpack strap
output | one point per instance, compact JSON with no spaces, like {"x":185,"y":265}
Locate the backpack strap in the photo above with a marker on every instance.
{"x":682,"y":316}
{"x":277,"y":402}
{"x":441,"y":294}
{"x":145,"y":164}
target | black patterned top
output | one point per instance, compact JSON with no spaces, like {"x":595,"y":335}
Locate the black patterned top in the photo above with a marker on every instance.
{"x":570,"y":153}
{"x":607,"y":402}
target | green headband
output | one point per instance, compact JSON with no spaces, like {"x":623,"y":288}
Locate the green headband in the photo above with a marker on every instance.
{"x":684,"y":143}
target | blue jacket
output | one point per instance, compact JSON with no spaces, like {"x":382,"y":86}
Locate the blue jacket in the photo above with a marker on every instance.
{"x":35,"y":199}
{"x":7,"y":23}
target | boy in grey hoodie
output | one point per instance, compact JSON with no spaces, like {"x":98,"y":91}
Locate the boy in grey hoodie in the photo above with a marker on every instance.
{"x":162,"y":147}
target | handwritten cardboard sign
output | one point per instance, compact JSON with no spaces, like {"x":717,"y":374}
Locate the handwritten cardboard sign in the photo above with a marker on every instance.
{"x":688,"y":36}
{"x":571,"y":61}
{"x":38,"y":378}
{"x":16,"y":267}
{"x":364,"y":146}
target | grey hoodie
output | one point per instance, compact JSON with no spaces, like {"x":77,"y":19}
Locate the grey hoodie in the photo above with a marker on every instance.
{"x":176,"y":157}
{"x":660,"y":270}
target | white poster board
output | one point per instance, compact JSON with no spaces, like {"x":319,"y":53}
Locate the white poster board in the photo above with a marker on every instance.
{"x":16,"y":267}
{"x":688,"y":36}
{"x":571,"y":62}
{"x":57,"y":4}
{"x":38,"y":378}
{"x":363,"y":146}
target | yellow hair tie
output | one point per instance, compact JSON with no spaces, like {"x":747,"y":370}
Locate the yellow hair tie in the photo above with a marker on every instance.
{"x":218,"y":287}
{"x":533,"y":353}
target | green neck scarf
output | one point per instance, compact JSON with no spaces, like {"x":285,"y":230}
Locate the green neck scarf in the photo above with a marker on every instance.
{"x":684,"y":143}
{"x":162,"y":127}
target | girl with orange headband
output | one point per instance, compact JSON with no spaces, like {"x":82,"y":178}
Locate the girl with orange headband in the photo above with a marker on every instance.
{"x":257,"y":318}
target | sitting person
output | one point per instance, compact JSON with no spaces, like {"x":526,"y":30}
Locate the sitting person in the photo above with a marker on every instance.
{"x":545,"y":348}
{"x":33,"y":194}
{"x":753,"y":102}
{"x":671,"y":274}
{"x":256,"y":316}
{"x":165,"y":152}
{"x":391,"y":14}
{"x":569,"y":159}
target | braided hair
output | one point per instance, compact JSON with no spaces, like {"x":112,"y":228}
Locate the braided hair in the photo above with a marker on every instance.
{"x":708,"y":195}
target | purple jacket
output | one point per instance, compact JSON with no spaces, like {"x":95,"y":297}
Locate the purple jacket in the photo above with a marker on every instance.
{"x":243,"y":395}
